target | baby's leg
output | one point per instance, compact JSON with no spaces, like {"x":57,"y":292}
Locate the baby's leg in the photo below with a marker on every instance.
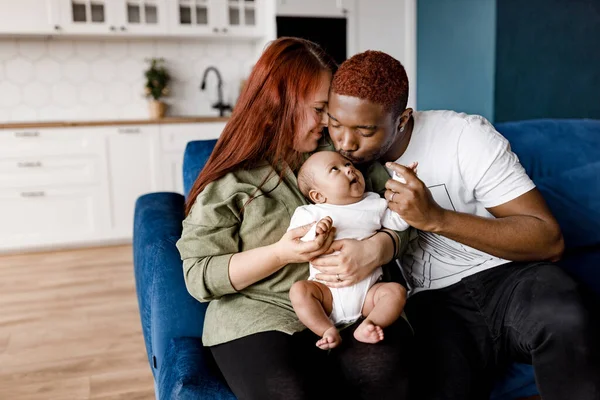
{"x":383,"y":306}
{"x":313,"y":302}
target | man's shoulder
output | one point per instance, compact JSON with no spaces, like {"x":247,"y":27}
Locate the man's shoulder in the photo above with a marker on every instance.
{"x":436,"y":117}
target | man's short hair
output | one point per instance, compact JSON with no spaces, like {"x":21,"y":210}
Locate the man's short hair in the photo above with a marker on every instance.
{"x":374,"y":76}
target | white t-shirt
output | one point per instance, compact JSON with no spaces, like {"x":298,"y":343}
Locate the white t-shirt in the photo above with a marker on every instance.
{"x":468,"y":166}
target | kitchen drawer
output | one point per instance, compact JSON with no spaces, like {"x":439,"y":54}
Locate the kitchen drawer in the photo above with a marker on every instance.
{"x":174,"y":137}
{"x":49,"y":141}
{"x":47,"y":171}
{"x":55,"y":215}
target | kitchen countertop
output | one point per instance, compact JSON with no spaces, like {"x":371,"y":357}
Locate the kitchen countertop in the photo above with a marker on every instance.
{"x":66,"y":124}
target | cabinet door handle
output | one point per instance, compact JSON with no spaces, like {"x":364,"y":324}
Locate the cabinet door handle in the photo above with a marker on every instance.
{"x":33,"y":194}
{"x":129,"y":130}
{"x":29,"y":164}
{"x":112,"y":28}
{"x":216,"y":30}
{"x":27,"y":134}
{"x":224,"y":30}
{"x":123,"y":29}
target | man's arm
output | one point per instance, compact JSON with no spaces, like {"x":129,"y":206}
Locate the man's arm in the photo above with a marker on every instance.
{"x":524,"y":228}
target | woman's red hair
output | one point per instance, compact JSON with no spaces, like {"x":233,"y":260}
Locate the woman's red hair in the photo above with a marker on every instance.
{"x":268,"y":111}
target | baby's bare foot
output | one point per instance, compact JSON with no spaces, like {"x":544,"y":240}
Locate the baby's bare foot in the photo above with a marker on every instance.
{"x":368,"y":332}
{"x":331,"y":338}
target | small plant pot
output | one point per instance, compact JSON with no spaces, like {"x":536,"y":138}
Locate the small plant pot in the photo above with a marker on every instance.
{"x":157,"y":109}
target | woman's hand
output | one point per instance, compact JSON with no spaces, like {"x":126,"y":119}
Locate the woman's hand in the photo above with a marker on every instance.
{"x":355,"y":261}
{"x":290,"y":249}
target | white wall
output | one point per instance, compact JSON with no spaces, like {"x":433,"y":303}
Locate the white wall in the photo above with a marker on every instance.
{"x":66,"y":79}
{"x":390,"y":26}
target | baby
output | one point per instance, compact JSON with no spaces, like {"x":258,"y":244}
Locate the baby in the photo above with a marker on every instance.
{"x":337,"y":190}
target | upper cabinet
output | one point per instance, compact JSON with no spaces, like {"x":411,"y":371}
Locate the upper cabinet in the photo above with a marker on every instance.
{"x":85,"y":16}
{"x":200,"y":18}
{"x":242,"y":17}
{"x":217,"y":17}
{"x":144,"y":17}
{"x":26,"y":17}
{"x":193,"y":17}
{"x":116,"y":17}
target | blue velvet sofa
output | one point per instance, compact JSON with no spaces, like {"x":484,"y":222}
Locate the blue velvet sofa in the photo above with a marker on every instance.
{"x":562,"y":157}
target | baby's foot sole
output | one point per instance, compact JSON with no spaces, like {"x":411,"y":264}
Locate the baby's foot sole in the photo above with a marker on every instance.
{"x":331,"y":338}
{"x":368,"y":332}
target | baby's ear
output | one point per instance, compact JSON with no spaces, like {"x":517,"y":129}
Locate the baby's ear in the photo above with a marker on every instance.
{"x":316,"y":197}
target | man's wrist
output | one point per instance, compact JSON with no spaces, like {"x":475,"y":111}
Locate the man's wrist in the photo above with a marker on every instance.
{"x":441,"y":222}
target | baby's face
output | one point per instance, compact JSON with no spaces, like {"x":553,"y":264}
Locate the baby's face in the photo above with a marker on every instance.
{"x":336,"y":179}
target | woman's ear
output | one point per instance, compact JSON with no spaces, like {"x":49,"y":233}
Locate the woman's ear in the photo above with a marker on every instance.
{"x":316,"y":197}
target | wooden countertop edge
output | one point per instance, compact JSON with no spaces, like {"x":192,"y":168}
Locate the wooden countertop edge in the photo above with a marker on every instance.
{"x":67,"y":124}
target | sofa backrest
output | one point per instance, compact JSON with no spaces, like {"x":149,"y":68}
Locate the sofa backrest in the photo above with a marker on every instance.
{"x":563,"y":159}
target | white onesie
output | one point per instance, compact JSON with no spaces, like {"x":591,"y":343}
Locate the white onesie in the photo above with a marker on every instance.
{"x":353,"y":221}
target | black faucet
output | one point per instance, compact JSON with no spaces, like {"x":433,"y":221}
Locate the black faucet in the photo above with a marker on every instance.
{"x":219,"y":105}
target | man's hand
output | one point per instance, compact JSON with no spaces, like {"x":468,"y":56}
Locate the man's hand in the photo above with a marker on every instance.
{"x":413,"y":200}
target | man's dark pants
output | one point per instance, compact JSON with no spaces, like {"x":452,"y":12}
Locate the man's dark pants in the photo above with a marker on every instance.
{"x":517,"y":312}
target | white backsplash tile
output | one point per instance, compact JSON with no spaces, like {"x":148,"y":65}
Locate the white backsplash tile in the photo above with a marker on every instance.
{"x":89,"y":79}
{"x":19,"y":70}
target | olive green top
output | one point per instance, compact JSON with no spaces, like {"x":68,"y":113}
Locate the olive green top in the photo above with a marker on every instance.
{"x":222,"y":223}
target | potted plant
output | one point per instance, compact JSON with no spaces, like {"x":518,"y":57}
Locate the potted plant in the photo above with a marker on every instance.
{"x":157,"y":80}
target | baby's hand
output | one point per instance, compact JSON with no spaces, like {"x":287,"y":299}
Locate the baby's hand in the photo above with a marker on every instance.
{"x":413,"y":165}
{"x":324,"y":225}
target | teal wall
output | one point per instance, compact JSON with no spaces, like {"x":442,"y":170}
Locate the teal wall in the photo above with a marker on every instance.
{"x":456,"y":46}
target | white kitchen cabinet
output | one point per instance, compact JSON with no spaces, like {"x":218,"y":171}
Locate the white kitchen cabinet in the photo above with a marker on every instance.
{"x":49,"y":141}
{"x":194,"y":17}
{"x":218,"y":18}
{"x":138,"y":18}
{"x":76,"y":186}
{"x":172,"y":170}
{"x":173,"y":141}
{"x":133,"y":162}
{"x":87,"y":16}
{"x":112,"y":17}
{"x":26,"y":17}
{"x":49,"y":171}
{"x":57,"y":216}
{"x":142,"y":17}
{"x":243,"y":17}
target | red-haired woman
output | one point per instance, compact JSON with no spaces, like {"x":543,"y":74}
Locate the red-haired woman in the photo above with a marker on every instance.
{"x":237,"y":255}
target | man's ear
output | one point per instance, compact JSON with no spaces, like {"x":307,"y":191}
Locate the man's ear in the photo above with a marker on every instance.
{"x":403,"y":119}
{"x":316,"y":197}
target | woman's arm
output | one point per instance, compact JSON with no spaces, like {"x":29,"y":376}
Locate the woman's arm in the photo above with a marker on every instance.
{"x":251,"y":266}
{"x":213,"y":267}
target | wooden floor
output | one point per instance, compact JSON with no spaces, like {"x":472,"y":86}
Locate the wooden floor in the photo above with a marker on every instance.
{"x":70,"y":328}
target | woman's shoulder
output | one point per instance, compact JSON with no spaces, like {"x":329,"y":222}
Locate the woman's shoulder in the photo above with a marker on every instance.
{"x":232,"y":188}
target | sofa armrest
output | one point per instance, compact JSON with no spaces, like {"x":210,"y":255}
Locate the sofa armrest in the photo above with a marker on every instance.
{"x":188,"y":377}
{"x":167,"y":310}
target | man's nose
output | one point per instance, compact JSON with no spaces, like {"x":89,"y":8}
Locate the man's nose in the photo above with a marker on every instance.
{"x":347,"y":142}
